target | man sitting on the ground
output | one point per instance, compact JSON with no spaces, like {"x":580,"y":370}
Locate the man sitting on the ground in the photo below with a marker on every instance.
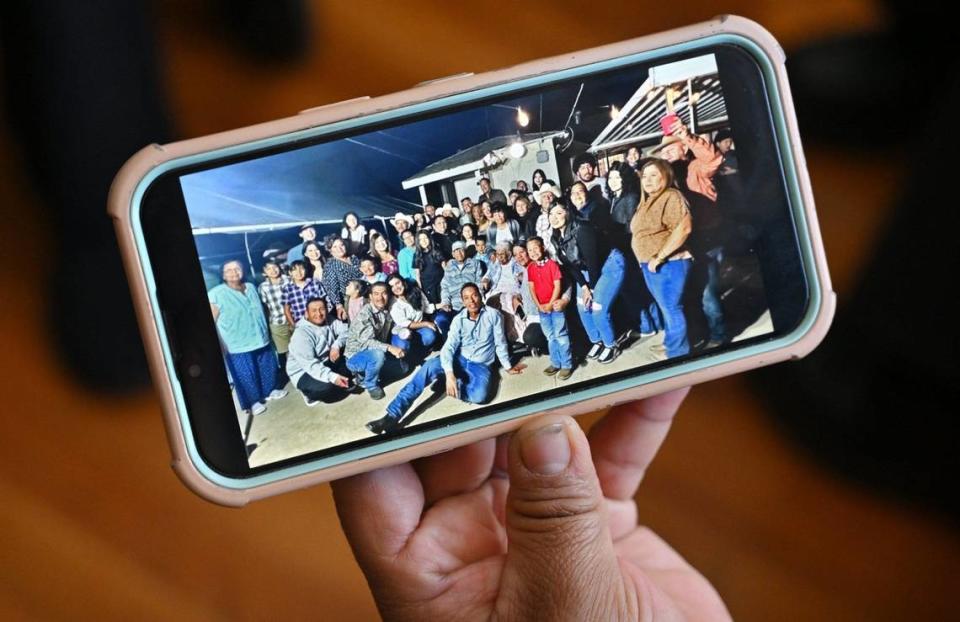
{"x":369,"y":353}
{"x":475,"y":341}
{"x":314,"y":358}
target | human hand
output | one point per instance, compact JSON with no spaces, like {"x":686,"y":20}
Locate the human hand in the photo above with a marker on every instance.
{"x":526,"y":527}
{"x":560,"y":304}
{"x":334,"y":355}
{"x":451,"y":382}
{"x":342,"y":313}
{"x":677,"y":128}
{"x":341,"y":381}
{"x":397,"y":352}
{"x":653,"y":264}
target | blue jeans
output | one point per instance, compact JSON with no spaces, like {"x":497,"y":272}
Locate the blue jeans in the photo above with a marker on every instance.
{"x":443,"y":319}
{"x":598,"y":321}
{"x":712,"y":306}
{"x":426,"y":337}
{"x":474,"y":384}
{"x":374,"y":363}
{"x":636,"y":306}
{"x":554,"y":327}
{"x":666,"y":285}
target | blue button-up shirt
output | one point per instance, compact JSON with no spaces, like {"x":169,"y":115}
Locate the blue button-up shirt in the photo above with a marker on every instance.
{"x":481,"y":340}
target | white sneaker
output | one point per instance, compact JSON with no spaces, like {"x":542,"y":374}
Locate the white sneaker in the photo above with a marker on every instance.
{"x":595,"y":351}
{"x":308,"y":401}
{"x":276,"y":394}
{"x":257,"y":409}
{"x":608,"y":355}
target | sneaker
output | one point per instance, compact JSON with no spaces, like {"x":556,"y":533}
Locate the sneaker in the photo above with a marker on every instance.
{"x":565,"y":374}
{"x":308,"y":401}
{"x":383,"y":425}
{"x":595,"y":351}
{"x":257,"y":409}
{"x":624,"y":338}
{"x":277,"y":394}
{"x":713,"y":343}
{"x":376,"y":393}
{"x":608,"y":355}
{"x":644,"y":335}
{"x":551,"y":370}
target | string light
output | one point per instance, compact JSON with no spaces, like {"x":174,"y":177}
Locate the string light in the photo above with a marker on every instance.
{"x":523,"y":119}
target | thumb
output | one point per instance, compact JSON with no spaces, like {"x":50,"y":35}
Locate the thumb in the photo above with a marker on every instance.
{"x":560,"y":558}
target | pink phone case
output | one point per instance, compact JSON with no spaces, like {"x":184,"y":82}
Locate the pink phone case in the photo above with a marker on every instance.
{"x":124,"y":213}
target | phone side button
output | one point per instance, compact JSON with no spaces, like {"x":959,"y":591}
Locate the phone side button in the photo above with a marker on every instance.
{"x":456,"y":76}
{"x":335,"y":104}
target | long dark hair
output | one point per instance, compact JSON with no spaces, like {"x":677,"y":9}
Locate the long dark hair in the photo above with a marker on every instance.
{"x":533,"y":184}
{"x":306,"y":260}
{"x":411,"y":292}
{"x":629,"y":178}
{"x":347,"y":215}
{"x":432,"y":252}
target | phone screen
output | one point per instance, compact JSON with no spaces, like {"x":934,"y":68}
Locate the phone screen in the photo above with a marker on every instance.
{"x":383,"y":280}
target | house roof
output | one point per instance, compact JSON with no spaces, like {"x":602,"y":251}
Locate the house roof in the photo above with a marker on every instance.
{"x":470,"y":159}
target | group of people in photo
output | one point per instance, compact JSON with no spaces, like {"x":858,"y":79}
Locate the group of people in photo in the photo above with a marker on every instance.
{"x":447,"y":293}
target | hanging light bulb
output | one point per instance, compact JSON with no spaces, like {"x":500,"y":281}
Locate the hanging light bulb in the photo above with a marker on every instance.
{"x":523,"y":119}
{"x":614,"y":112}
{"x":517,"y":150}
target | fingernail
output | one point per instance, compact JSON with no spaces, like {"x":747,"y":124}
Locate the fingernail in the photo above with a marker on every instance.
{"x":546,"y":450}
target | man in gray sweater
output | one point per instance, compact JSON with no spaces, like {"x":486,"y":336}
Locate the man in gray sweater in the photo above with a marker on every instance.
{"x":369,"y":352}
{"x":314,"y":356}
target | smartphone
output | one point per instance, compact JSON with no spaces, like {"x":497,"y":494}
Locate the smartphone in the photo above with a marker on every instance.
{"x":386,"y":278}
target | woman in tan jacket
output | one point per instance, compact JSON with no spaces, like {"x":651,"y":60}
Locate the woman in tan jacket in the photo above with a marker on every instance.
{"x":659,"y":230}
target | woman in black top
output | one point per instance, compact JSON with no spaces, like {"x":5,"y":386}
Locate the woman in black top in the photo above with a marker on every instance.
{"x":428,"y":267}
{"x":537,"y":180}
{"x":526,"y":216}
{"x":623,"y":190}
{"x":598,"y":269}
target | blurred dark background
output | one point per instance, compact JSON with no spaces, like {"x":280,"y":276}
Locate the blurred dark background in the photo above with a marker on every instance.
{"x":815,"y":490}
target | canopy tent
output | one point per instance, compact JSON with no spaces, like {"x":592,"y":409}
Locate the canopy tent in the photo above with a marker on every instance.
{"x":699,"y":103}
{"x":313,"y":185}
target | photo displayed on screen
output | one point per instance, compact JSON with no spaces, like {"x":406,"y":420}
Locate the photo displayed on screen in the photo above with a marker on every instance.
{"x":393,"y":278}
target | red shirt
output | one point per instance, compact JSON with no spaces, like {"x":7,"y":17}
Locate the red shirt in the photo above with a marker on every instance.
{"x":543,"y":274}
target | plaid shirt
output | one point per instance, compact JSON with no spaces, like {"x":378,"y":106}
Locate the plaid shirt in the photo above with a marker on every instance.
{"x":297,"y":298}
{"x":271,"y":294}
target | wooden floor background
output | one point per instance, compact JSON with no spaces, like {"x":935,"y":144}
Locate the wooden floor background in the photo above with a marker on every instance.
{"x":94,"y":525}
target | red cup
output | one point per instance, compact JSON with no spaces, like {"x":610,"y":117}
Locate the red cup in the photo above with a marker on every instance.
{"x":666,"y":122}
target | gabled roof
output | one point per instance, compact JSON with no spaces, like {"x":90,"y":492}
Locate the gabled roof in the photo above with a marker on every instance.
{"x":470,"y":159}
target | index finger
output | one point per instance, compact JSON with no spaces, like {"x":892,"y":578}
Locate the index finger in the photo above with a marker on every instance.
{"x":626,"y":440}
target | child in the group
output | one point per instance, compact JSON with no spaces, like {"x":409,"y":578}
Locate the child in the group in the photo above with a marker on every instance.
{"x":545,"y":285}
{"x":355,"y":291}
{"x":368,"y":267}
{"x":480,"y":244}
